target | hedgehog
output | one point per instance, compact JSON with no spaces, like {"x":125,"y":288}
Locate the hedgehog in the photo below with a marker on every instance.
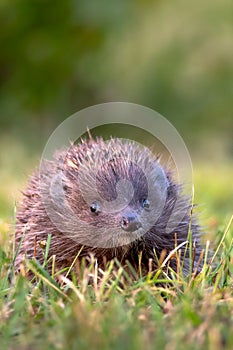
{"x":111,"y":199}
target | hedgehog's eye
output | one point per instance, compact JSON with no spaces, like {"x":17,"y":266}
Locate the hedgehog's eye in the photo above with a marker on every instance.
{"x":95,"y":207}
{"x":146,"y":203}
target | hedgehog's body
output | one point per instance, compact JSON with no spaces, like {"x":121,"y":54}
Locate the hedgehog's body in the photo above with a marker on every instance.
{"x":81,"y":215}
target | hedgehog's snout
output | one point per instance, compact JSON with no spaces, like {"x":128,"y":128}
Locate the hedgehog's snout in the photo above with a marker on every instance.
{"x":130,"y":221}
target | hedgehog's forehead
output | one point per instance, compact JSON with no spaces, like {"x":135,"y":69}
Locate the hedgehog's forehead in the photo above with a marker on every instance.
{"x":125,"y":158}
{"x":100,"y":150}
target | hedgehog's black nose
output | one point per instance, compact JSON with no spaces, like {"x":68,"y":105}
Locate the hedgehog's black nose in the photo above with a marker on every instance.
{"x":130,"y":222}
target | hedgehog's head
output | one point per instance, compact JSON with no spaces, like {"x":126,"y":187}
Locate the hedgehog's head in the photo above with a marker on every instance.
{"x":112,"y":192}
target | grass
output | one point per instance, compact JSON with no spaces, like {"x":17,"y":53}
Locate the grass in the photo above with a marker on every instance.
{"x":112,"y":309}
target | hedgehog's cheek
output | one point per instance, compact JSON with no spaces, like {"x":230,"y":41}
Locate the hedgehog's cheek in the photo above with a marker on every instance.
{"x":129,"y":221}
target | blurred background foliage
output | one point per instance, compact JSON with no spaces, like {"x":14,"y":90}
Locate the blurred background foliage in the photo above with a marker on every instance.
{"x":173,"y":56}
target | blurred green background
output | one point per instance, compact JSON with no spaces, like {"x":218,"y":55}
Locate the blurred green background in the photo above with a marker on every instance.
{"x":173,"y":56}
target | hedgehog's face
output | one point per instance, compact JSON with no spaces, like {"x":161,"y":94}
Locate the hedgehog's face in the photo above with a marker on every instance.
{"x":117,"y":195}
{"x":122,"y":195}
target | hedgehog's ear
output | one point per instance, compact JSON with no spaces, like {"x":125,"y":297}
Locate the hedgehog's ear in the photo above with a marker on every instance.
{"x":161,"y":178}
{"x":161,"y":185}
